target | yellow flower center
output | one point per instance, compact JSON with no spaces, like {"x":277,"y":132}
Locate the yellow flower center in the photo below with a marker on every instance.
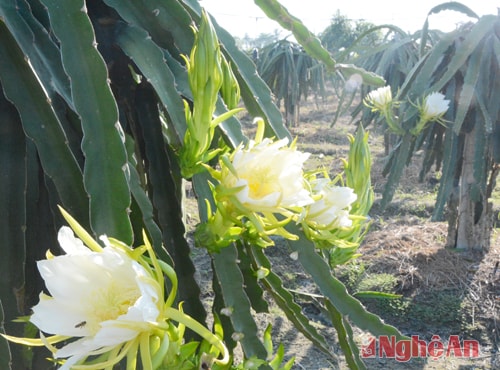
{"x":261,"y":183}
{"x":110,"y":302}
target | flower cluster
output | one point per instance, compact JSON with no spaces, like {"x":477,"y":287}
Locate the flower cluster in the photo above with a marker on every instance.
{"x":259,"y":187}
{"x":108,"y":303}
{"x":431,"y":109}
{"x":262,"y":186}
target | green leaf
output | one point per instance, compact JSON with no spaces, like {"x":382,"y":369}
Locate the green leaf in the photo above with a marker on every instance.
{"x":13,"y":216}
{"x":481,"y":163}
{"x":40,"y":123}
{"x":402,"y":35}
{"x":166,"y":21}
{"x":453,"y":5}
{"x":231,"y":283}
{"x":149,"y":58}
{"x":42,"y":224}
{"x":145,"y":205}
{"x":164,"y":191}
{"x":415,"y":84}
{"x":217,"y":307}
{"x":400,"y":160}
{"x":311,"y":43}
{"x":376,"y":295}
{"x":369,"y":78}
{"x":252,"y":288}
{"x":105,"y":170}
{"x":284,"y":299}
{"x":450,"y":159}
{"x":345,"y":338}
{"x":37,"y":45}
{"x":307,"y":39}
{"x":465,"y":49}
{"x":334,"y":290}
{"x":469,"y":89}
{"x":5,"y":355}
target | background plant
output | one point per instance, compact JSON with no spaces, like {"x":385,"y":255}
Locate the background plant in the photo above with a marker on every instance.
{"x":462,"y":65}
{"x":342,"y":32}
{"x":292,"y":75}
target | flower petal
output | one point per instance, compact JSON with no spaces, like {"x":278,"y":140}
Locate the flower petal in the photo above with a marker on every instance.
{"x":69,"y":243}
{"x":78,"y":349}
{"x":330,"y":209}
{"x":70,"y":361}
{"x":52,"y":317}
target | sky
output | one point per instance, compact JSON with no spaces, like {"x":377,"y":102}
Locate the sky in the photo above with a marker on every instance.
{"x":243,"y":17}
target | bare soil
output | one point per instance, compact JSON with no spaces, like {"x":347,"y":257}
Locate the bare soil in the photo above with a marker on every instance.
{"x":444,"y":292}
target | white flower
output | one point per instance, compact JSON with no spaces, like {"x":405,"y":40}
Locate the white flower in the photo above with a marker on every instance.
{"x":431,"y":109}
{"x":108,"y":304}
{"x":434,"y":107}
{"x":354,"y":82}
{"x":379,"y":99}
{"x":270,"y":175}
{"x":332,"y":208}
{"x":104,"y":298}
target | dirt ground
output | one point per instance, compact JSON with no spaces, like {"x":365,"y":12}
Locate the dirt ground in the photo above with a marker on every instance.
{"x":443,"y":292}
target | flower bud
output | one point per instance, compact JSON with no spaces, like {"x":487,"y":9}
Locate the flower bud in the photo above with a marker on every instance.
{"x":205,"y":72}
{"x":205,"y":80}
{"x":230,"y":89}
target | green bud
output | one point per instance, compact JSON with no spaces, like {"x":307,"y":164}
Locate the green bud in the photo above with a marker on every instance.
{"x":230,"y":89}
{"x":205,"y":80}
{"x":357,"y":172}
{"x":205,"y":76}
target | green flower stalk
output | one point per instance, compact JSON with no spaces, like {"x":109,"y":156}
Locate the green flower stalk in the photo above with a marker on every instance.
{"x":433,"y":108}
{"x":109,"y":304}
{"x":207,"y":73}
